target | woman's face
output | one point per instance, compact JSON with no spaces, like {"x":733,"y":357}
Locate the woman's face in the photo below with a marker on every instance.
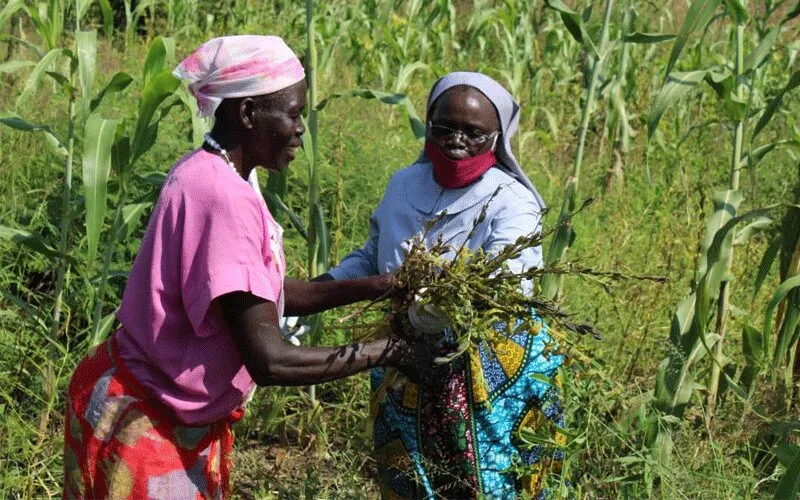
{"x":276,"y":127}
{"x":463,"y":123}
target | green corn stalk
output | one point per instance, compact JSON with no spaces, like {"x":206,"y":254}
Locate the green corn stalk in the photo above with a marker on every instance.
{"x":122,"y":151}
{"x":565,"y":235}
{"x":317,"y":231}
{"x":736,"y":160}
{"x":48,"y":21}
{"x":729,"y":87}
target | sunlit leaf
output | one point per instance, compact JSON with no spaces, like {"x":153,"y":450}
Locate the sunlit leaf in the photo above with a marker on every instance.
{"x":9,"y":10}
{"x":755,"y":58}
{"x":87,"y":55}
{"x":699,"y":14}
{"x":36,"y":75}
{"x":675,"y":88}
{"x":12,"y":66}
{"x":131,"y":215}
{"x":96,"y":167}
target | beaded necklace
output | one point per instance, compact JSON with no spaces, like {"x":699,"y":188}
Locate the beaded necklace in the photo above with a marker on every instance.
{"x":215,"y":145}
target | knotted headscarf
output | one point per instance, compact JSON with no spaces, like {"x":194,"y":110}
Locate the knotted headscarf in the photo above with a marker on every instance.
{"x":238,"y":66}
{"x":507,"y":113}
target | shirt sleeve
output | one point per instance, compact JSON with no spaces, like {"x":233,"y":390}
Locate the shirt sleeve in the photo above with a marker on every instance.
{"x":224,"y":249}
{"x":362,"y":261}
{"x":519,"y":216}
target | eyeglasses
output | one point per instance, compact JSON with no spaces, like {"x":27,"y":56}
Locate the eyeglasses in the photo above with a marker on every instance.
{"x":473,"y":137}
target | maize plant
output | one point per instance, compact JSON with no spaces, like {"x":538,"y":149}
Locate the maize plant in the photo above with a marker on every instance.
{"x":598,"y":53}
{"x":733,"y":82}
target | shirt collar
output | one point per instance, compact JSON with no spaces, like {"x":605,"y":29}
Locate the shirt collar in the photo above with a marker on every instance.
{"x":427,"y":196}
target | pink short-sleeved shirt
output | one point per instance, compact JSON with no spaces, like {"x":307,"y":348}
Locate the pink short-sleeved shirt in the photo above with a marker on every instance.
{"x":210,"y":234}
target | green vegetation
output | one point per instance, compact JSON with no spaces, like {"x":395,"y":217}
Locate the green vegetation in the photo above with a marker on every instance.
{"x":679,"y":119}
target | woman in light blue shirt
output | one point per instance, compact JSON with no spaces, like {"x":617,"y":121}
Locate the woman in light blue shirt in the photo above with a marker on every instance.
{"x":460,"y":441}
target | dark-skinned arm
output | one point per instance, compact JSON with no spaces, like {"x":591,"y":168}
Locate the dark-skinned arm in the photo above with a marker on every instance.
{"x":309,"y":297}
{"x":272,"y":361}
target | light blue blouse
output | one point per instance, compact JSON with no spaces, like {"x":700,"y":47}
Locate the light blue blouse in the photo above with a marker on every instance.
{"x":413,"y":198}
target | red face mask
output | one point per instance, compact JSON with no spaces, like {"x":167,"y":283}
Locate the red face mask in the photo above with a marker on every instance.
{"x":450,"y":173}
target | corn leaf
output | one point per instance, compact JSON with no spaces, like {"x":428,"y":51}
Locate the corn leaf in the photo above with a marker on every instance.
{"x":33,"y":242}
{"x":562,"y":239}
{"x":675,"y":88}
{"x":760,"y":224}
{"x":158,"y":88}
{"x":118,"y":83}
{"x":17,"y":122}
{"x":755,"y":156}
{"x":36,"y":75}
{"x":698,"y":15}
{"x":716,"y":256}
{"x":102,"y":332}
{"x":83,"y":6}
{"x":396,"y":99}
{"x":406,"y":72}
{"x":86,"y":42}
{"x":646,"y":38}
{"x":789,"y":484}
{"x":161,"y":50}
{"x":131,"y":215}
{"x":9,"y":10}
{"x":200,"y":125}
{"x":755,"y":353}
{"x":575,"y":24}
{"x":770,"y":255}
{"x":274,"y":200}
{"x":99,"y":138}
{"x":12,"y":66}
{"x":322,"y":238}
{"x":737,"y":11}
{"x":780,"y":294}
{"x":764,"y":49}
{"x":108,"y":17}
{"x":774,"y":104}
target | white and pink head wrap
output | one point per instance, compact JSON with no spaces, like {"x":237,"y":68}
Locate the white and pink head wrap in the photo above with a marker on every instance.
{"x":238,"y":66}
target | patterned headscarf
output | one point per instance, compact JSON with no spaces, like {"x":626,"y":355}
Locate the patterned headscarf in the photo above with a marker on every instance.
{"x":238,"y":66}
{"x":507,"y":112}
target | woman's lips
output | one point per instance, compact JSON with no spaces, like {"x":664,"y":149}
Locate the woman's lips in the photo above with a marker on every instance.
{"x":291,"y":149}
{"x":456,"y":153}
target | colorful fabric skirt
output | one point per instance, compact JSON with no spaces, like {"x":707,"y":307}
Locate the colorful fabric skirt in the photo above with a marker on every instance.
{"x":119,"y":443}
{"x":461,"y":441}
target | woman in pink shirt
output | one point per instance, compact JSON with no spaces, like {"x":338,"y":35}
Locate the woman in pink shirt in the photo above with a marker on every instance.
{"x":149,"y":411}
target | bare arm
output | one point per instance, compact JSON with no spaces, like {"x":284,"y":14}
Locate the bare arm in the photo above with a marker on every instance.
{"x":309,"y":297}
{"x":272,"y":361}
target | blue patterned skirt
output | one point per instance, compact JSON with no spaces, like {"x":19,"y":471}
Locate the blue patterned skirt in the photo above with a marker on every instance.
{"x":461,"y":441}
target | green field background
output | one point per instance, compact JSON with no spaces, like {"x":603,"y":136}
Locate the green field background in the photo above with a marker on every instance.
{"x":651,"y":220}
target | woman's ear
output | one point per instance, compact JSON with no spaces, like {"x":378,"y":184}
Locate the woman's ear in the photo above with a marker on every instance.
{"x":247,"y":108}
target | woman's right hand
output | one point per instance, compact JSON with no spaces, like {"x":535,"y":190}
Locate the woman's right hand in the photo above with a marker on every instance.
{"x":413,"y":357}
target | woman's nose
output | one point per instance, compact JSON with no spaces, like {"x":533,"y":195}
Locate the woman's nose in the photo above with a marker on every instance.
{"x":456,"y":137}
